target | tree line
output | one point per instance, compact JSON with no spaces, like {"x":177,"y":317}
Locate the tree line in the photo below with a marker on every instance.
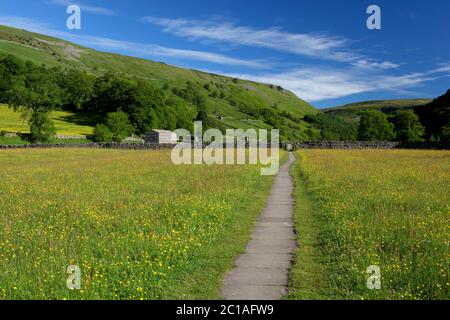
{"x":425,"y":123}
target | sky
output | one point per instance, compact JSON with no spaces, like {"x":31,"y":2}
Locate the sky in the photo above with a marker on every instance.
{"x":321,"y":50}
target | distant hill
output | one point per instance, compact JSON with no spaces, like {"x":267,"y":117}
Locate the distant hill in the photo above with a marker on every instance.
{"x":351,"y":111}
{"x":230,"y":102}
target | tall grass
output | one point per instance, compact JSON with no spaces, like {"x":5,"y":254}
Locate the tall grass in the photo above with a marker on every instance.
{"x":138,"y":226}
{"x":384,"y":208}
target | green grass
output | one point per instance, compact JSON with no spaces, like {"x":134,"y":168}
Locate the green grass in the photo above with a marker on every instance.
{"x":23,"y":140}
{"x":307,"y":280}
{"x":12,"y":141}
{"x":66,"y":123}
{"x":53,"y":52}
{"x":372,"y":207}
{"x":138,"y":226}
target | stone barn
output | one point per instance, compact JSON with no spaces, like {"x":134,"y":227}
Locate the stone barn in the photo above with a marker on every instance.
{"x":161,"y":137}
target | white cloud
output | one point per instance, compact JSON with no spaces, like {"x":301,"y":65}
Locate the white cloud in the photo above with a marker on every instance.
{"x":84,"y":7}
{"x":443,"y":67}
{"x":316,"y":84}
{"x":315,"y":45}
{"x":142,"y":49}
{"x":274,"y":38}
{"x":132,"y":48}
{"x":366,"y":64}
{"x":26,"y":24}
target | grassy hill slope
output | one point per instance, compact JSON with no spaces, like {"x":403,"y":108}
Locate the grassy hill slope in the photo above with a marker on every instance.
{"x":227,"y":99}
{"x":66,"y":123}
{"x":351,"y":111}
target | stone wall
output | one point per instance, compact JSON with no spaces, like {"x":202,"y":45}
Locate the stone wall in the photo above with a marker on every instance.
{"x":368,"y":145}
{"x":69,"y":137}
{"x":294,"y":145}
{"x":94,"y":145}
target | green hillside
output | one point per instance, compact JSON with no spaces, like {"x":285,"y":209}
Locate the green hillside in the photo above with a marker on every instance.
{"x":229,"y":102}
{"x":66,"y":122}
{"x":351,"y":111}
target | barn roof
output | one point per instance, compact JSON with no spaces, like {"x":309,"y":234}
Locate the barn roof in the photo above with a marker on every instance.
{"x":162,"y":131}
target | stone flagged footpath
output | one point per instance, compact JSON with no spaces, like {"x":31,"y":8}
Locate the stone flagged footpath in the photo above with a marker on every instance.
{"x":261,"y":273}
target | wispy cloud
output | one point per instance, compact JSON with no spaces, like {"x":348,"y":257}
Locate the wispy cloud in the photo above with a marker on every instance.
{"x":366,"y":64}
{"x":443,"y":67}
{"x":142,"y":49}
{"x":84,"y":7}
{"x":132,"y":48}
{"x":314,"y":45}
{"x":27,"y":24}
{"x":318,"y":83}
{"x":273,"y":38}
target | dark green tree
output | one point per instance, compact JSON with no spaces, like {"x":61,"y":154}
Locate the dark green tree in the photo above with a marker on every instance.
{"x":112,"y":93}
{"x":119,"y":125}
{"x":435,"y":116}
{"x":78,"y":87}
{"x":374,"y":126}
{"x":202,"y":116}
{"x":145,"y":107}
{"x":42,"y":128}
{"x":444,"y":134}
{"x":102,"y":133}
{"x":332,"y":128}
{"x":185,"y":114}
{"x":10,"y":67}
{"x":37,"y":90}
{"x":408,"y":127}
{"x":36,"y":94}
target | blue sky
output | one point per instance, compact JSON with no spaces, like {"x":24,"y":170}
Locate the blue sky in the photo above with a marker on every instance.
{"x":321,"y":50}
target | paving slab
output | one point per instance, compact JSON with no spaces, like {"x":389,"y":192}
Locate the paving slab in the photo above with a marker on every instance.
{"x":264,"y":260}
{"x":271,"y":246}
{"x":251,"y":276}
{"x":261,"y":293}
{"x":266,"y":233}
{"x":261,"y":273}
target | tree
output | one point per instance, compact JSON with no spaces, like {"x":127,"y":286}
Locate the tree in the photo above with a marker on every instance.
{"x":140,"y":100}
{"x":146,"y":107}
{"x":10,"y":67}
{"x":185,"y":115}
{"x":34,"y":91}
{"x":112,"y":93}
{"x":119,"y":125}
{"x":78,"y":87}
{"x":444,"y":134}
{"x":35,"y":94}
{"x":374,"y":126}
{"x":408,"y":127}
{"x":41,"y":127}
{"x":270,"y":117}
{"x":332,"y":128}
{"x":202,"y":116}
{"x":435,"y":116}
{"x":102,"y":133}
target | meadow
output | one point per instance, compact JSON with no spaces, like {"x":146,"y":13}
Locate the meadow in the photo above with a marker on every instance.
{"x":375,"y":207}
{"x":137,"y":226}
{"x":66,"y":123}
